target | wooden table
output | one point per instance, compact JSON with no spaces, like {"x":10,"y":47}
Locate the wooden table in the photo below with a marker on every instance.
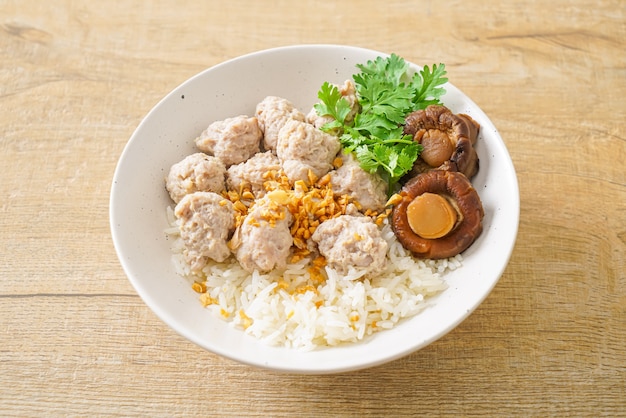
{"x":77,"y":77}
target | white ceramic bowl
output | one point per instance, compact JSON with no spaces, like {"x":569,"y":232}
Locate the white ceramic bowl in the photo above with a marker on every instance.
{"x":165,"y":136}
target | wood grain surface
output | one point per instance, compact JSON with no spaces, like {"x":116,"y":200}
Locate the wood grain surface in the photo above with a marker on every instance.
{"x":76,"y":78}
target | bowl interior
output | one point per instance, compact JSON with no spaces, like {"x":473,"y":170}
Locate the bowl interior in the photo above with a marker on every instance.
{"x":165,"y":136}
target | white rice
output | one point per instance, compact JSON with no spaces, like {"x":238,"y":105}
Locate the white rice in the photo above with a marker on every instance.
{"x":276,"y":307}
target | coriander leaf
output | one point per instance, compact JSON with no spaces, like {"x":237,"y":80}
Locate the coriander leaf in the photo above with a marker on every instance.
{"x":332,"y":104}
{"x":427,"y":86}
{"x":367,"y":159}
{"x":390,"y":159}
{"x":384,"y":98}
{"x":393,"y":68}
{"x":408,"y":155}
{"x":374,"y":125}
{"x":351,"y":139}
{"x":387,"y":91}
{"x":380,"y":96}
{"x":393,"y":104}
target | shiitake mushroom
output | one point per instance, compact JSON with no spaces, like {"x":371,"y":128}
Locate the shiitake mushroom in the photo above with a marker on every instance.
{"x":447,"y":139}
{"x":439,"y":216}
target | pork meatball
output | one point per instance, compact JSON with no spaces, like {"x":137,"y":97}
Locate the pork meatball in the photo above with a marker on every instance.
{"x":366,"y":188}
{"x":263,"y":240}
{"x":351,"y":241}
{"x":206,"y":221}
{"x":232,"y":140}
{"x":272,"y":113}
{"x":251,"y":173}
{"x":195,"y":173}
{"x":302,"y":147}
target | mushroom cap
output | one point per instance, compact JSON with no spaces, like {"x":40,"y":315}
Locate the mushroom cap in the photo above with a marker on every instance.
{"x":439,"y":121}
{"x":458,"y":189}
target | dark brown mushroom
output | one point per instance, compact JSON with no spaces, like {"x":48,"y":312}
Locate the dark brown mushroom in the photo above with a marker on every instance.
{"x":423,"y":222}
{"x":448,"y":140}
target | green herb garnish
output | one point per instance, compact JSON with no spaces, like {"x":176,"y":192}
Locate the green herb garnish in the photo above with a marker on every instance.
{"x":387,"y":93}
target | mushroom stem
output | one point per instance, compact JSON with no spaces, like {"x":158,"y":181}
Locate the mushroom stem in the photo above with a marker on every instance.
{"x":431,"y":216}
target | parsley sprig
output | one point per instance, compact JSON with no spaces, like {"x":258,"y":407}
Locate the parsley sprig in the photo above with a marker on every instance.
{"x":387,"y":92}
